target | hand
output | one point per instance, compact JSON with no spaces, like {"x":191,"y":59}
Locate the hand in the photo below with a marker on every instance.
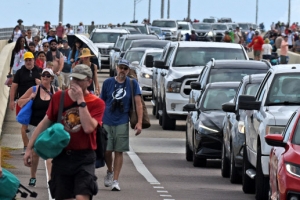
{"x":97,"y":92}
{"x":57,"y":73}
{"x":12,"y":105}
{"x":138,"y":129}
{"x":76,"y":92}
{"x":37,"y":81}
{"x":28,"y":157}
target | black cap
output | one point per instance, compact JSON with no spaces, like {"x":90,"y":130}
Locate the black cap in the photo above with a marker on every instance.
{"x":20,"y":20}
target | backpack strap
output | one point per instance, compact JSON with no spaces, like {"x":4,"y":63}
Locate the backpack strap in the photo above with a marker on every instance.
{"x":61,"y":105}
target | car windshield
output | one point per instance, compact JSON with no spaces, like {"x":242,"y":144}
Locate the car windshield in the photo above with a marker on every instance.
{"x":202,"y":26}
{"x":134,"y":56}
{"x":233,"y":26}
{"x":126,"y":44}
{"x":156,"y":56}
{"x":284,"y":90}
{"x":209,"y":20}
{"x":219,"y":27}
{"x":244,"y":26}
{"x":105,"y":37}
{"x":149,"y":44}
{"x":161,"y":23}
{"x":184,"y":26}
{"x":251,"y":89}
{"x":232,"y":75}
{"x":213,"y":98}
{"x":199,"y":56}
{"x":141,"y":28}
{"x":119,"y":43}
{"x":157,"y":31}
{"x":134,"y":31}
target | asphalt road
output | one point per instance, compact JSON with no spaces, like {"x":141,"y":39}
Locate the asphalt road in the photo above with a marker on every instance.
{"x":154,"y":169}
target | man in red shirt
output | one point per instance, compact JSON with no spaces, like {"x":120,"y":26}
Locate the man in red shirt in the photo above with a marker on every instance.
{"x":60,"y":32}
{"x":73,"y":170}
{"x":257,"y":43}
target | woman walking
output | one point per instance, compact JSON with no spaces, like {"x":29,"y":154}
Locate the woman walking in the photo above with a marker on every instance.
{"x":42,"y":97}
{"x":17,"y":56}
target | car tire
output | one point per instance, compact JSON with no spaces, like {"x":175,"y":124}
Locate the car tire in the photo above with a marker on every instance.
{"x":198,"y":162}
{"x":225,"y":165}
{"x":167,"y":122}
{"x":188,"y":151}
{"x":154,"y":107}
{"x":261,"y":182}
{"x":248,"y":183}
{"x":111,"y":72}
{"x":234,"y":172}
{"x":157,"y":109}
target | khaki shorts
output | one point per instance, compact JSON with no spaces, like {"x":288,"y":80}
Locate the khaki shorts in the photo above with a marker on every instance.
{"x":118,"y":137}
{"x":256,"y":53}
{"x":30,"y":131}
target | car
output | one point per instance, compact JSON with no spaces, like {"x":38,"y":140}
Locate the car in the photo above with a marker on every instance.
{"x":104,"y":39}
{"x":185,"y":27}
{"x":232,"y":25}
{"x":131,"y":30}
{"x":157,"y":31}
{"x":144,"y":28}
{"x":285,"y":161}
{"x":233,"y":131}
{"x":225,"y":20}
{"x":170,"y":28}
{"x":219,"y":31}
{"x":267,"y":113}
{"x":204,"y":31}
{"x":204,"y":127}
{"x":148,"y":43}
{"x":121,"y":46}
{"x":210,"y":20}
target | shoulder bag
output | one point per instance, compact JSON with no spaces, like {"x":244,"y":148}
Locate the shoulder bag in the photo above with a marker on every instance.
{"x":101,"y":140}
{"x":54,"y":139}
{"x":132,"y":112}
{"x":25,"y":113}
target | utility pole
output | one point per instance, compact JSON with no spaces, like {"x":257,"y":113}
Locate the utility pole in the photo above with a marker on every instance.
{"x":256,"y":18}
{"x":149,"y":10}
{"x":162,"y":9}
{"x":289,"y":13}
{"x":134,"y":10}
{"x":168,"y":9}
{"x":189,"y":9}
{"x":61,"y":10}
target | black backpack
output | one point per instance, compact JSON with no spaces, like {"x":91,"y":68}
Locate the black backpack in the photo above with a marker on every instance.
{"x":101,"y":140}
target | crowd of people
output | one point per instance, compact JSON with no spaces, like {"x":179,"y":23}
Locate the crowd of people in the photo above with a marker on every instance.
{"x":44,"y":69}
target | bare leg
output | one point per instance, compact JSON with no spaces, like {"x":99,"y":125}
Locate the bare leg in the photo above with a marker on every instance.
{"x":24,"y":136}
{"x":49,"y":167}
{"x":118,"y":162}
{"x":82,"y":197}
{"x":109,"y":160}
{"x":34,"y":165}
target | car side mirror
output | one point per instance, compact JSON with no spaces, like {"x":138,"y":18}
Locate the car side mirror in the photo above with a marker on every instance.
{"x":122,"y":54}
{"x":160,"y":64}
{"x":196,"y":85}
{"x":247,"y":102}
{"x":179,"y":27}
{"x":275,"y":140}
{"x":228,"y":107}
{"x":189,"y":107}
{"x":149,"y":61}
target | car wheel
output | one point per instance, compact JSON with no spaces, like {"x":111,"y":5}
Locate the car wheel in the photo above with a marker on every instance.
{"x":248,"y":183}
{"x":167,"y":122}
{"x":261,"y":182}
{"x":188,"y":151}
{"x":234,"y":173}
{"x":157,"y":109}
{"x":224,"y":163}
{"x":198,"y":162}
{"x":111,"y":72}
{"x":154,"y":107}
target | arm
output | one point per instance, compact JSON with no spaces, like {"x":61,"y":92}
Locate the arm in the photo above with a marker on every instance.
{"x":61,"y":63}
{"x":29,"y":94}
{"x":43,"y":125}
{"x":12,"y":59}
{"x":97,"y":86}
{"x":12,"y":94}
{"x":139,"y":112}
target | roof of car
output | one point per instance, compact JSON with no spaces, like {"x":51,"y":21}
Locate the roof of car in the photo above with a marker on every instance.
{"x":209,"y":44}
{"x":286,"y":68}
{"x":133,"y":24}
{"x":222,"y":84}
{"x":99,"y":30}
{"x":240,"y":64}
{"x":146,"y":49}
{"x":253,"y":78}
{"x":164,"y":20}
{"x":140,"y":36}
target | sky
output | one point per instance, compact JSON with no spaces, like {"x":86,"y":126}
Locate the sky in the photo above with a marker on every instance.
{"x":119,"y":11}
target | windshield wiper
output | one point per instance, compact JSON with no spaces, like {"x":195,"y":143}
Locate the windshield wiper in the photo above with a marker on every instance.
{"x":284,"y":103}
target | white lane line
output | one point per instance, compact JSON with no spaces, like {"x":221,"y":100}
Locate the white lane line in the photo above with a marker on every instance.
{"x":158,"y":187}
{"x":165,"y":195}
{"x":141,"y":168}
{"x":162,"y":191}
{"x":155,"y":183}
{"x":47,"y":178}
{"x":169,"y":199}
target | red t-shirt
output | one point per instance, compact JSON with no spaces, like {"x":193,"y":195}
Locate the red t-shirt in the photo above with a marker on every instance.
{"x":71,"y":120}
{"x":257,"y":43}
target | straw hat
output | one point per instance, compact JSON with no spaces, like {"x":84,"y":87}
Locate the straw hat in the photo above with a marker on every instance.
{"x":86,"y":53}
{"x":267,"y":41}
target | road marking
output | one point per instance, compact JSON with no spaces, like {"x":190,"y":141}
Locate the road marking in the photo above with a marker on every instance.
{"x":141,"y":168}
{"x":158,"y":187}
{"x":165,"y":195}
{"x":47,"y":178}
{"x":162,"y":191}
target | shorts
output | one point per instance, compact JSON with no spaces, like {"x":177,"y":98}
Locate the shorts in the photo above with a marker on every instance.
{"x":18,"y":108}
{"x":30,"y":131}
{"x":266,"y":57}
{"x":118,"y":137}
{"x":73,"y":173}
{"x":256,"y":53}
{"x":283,"y":59}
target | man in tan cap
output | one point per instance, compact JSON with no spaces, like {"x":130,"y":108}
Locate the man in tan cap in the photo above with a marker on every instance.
{"x":73,"y":170}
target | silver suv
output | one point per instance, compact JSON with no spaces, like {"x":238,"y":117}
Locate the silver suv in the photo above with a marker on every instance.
{"x":170,"y":28}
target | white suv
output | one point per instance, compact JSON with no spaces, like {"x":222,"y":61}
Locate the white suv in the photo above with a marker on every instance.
{"x":169,"y":27}
{"x":268,"y":113}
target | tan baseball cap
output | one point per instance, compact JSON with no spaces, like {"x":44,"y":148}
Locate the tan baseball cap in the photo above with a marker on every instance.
{"x":81,"y":71}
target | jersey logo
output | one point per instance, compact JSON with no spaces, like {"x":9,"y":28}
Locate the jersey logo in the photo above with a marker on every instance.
{"x":119,"y":93}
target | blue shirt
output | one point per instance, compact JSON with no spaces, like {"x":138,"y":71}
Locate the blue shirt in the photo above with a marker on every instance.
{"x":114,"y":91}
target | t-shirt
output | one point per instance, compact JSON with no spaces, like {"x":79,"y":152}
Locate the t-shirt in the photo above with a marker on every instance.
{"x":290,"y":39}
{"x":267,"y":49}
{"x":25,"y":79}
{"x":34,"y":32}
{"x":28,"y":40}
{"x":250,"y":34}
{"x":112,"y":89}
{"x":71,"y":119}
{"x":80,"y":29}
{"x":59,"y":31}
{"x":17,"y":34}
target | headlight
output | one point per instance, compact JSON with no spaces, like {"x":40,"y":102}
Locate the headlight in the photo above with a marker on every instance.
{"x":274,"y":129}
{"x":241,"y":127}
{"x":293,"y":169}
{"x":210,"y":34}
{"x":173,"y":87}
{"x":145,"y":75}
{"x":206,"y":130}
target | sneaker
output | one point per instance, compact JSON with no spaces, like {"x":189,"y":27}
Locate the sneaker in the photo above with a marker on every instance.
{"x":32,"y":182}
{"x":108,"y":179}
{"x":115,"y":186}
{"x":24,"y":150}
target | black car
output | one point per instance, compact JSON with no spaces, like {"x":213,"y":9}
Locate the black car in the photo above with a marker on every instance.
{"x":160,"y":44}
{"x":204,"y":125}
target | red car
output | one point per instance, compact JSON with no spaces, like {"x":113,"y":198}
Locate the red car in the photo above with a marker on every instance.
{"x":284,"y":163}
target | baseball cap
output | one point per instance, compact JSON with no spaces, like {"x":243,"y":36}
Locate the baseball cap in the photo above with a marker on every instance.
{"x":28,"y":54}
{"x":124,"y":62}
{"x":52,"y":40}
{"x":81,"y":71}
{"x":48,"y":70}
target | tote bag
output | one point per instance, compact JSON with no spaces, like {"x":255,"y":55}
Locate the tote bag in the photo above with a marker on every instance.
{"x":9,"y":185}
{"x":25,"y":113}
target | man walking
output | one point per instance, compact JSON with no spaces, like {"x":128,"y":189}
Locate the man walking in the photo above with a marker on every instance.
{"x":60,"y":31}
{"x":237,"y":35}
{"x":26,"y":77}
{"x":91,"y":27}
{"x":116,"y":92}
{"x":66,"y":70}
{"x":284,"y":49}
{"x":257,"y":43}
{"x":73,"y":170}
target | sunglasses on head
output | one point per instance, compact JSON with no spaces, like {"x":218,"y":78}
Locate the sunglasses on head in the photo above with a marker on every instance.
{"x":123,"y":68}
{"x":46,"y":75}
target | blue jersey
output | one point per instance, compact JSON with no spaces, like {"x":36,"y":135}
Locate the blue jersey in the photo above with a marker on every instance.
{"x":121,"y":92}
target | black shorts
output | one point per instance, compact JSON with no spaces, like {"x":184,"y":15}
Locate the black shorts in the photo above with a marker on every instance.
{"x":73,"y":173}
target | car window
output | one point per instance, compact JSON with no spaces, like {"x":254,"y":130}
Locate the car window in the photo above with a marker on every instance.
{"x":133,"y":56}
{"x":296,"y":136}
{"x":244,"y":27}
{"x":199,"y":56}
{"x":231,"y":75}
{"x":148,"y":44}
{"x":157,"y":31}
{"x":209,"y":20}
{"x":169,"y":55}
{"x":105,"y":37}
{"x":202,"y":26}
{"x":213,"y":98}
{"x":290,"y":126}
{"x":126,"y":44}
{"x":184,"y":26}
{"x":219,"y":27}
{"x":283,"y":89}
{"x":119,"y":43}
{"x":238,"y":91}
{"x":162,"y":23}
{"x":143,"y":29}
{"x":251,"y":89}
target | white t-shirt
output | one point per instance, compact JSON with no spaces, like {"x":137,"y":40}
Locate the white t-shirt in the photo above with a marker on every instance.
{"x":267,"y":49}
{"x":80,"y":29}
{"x":290,"y":39}
{"x":29,"y":39}
{"x":70,"y":32}
{"x":34,"y":32}
{"x":17,"y":35}
{"x":250,"y":34}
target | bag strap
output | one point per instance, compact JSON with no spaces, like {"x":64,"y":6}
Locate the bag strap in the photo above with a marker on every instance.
{"x":132,"y":97}
{"x":61,"y":105}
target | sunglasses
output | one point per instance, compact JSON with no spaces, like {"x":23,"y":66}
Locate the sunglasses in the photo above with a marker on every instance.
{"x":46,"y":75}
{"x":123,"y":68}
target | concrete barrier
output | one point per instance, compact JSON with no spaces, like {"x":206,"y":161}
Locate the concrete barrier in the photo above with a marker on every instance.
{"x":294,"y":58}
{"x":2,"y":44}
{"x":5,"y":56}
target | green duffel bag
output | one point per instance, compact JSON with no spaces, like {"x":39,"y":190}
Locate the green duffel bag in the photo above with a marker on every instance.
{"x":9,"y":185}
